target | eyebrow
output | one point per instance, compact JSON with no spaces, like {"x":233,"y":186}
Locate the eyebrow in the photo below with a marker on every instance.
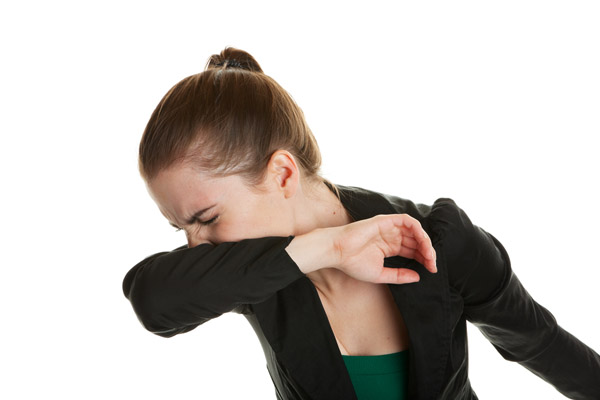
{"x":193,"y":218}
{"x":197,"y":215}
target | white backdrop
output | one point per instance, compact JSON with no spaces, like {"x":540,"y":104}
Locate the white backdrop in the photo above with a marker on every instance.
{"x":493,"y":104}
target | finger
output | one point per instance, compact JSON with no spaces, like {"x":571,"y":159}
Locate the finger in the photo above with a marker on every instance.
{"x":398,"y":276}
{"x":410,"y":227}
{"x":410,"y":253}
{"x":428,"y":252}
{"x":428,"y":257}
{"x":431,"y":266}
{"x":414,"y":254}
{"x":409,"y":243}
{"x":424,"y":248}
{"x":407,"y":222}
{"x":415,"y":237}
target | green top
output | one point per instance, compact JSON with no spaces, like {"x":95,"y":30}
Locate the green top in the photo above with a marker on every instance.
{"x":382,"y":377}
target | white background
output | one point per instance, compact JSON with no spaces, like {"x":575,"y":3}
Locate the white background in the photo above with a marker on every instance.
{"x":493,"y":104}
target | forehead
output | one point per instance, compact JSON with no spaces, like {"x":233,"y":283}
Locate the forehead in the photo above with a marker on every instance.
{"x":181,"y":190}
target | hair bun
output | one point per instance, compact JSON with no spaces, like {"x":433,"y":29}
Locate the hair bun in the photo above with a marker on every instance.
{"x":233,"y":58}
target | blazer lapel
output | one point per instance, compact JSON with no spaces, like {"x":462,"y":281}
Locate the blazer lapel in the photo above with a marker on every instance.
{"x":425,"y":306}
{"x":425,"y":309}
{"x":296,"y":326}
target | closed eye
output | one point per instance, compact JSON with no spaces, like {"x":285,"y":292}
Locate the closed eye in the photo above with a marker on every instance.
{"x":210,"y":221}
{"x":203,"y":223}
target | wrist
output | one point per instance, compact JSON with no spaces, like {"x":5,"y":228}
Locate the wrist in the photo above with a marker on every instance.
{"x":314,"y":250}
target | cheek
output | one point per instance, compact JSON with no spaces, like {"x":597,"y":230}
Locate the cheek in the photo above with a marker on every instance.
{"x":244,"y":228}
{"x":232,"y":231}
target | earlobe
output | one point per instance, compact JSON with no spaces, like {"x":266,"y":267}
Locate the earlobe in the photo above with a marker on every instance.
{"x":282,"y":167}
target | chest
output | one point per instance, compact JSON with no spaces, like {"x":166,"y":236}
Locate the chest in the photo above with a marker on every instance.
{"x":297,"y":331}
{"x":365,"y":320}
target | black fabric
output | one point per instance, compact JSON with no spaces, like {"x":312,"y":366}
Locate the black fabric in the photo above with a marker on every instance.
{"x":176,"y":291}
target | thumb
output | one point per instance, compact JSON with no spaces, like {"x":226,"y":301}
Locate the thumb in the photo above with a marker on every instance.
{"x":398,"y":276}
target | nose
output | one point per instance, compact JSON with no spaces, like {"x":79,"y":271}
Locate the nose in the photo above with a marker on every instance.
{"x":194,"y":241}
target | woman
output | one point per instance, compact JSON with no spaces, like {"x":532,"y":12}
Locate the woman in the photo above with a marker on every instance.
{"x":320,"y":271}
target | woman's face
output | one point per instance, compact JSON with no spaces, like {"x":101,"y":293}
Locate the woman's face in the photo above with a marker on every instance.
{"x":219,"y":209}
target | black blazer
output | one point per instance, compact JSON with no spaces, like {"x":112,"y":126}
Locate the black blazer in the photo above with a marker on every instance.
{"x":175,"y":292}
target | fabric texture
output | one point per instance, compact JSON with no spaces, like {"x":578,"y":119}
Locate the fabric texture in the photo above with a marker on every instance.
{"x":383,"y":377}
{"x":174,"y":292}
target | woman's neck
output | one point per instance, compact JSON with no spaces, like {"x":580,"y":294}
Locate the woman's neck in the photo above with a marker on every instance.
{"x":321,"y":208}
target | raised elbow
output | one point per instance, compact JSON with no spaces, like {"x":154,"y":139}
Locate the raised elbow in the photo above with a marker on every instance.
{"x":147,"y":305}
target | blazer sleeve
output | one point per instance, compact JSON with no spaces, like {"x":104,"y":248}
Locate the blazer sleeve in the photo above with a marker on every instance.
{"x":496,"y":302}
{"x":174,"y":292}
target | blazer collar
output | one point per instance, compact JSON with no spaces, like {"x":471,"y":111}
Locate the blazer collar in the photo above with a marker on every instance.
{"x":296,"y":325}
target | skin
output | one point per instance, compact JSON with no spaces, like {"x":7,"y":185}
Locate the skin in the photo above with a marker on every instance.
{"x":343,"y":259}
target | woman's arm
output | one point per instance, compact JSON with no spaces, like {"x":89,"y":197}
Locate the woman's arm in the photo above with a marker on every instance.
{"x":358,"y":249}
{"x":518,"y":327}
{"x":176,"y":291}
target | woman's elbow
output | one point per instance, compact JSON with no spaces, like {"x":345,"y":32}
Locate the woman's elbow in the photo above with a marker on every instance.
{"x":149,"y":311}
{"x":159,"y":315}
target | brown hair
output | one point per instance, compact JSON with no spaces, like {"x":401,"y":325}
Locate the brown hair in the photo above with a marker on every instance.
{"x":227,"y":120}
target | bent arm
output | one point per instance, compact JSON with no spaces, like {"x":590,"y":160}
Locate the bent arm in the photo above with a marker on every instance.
{"x":524,"y":331}
{"x":176,"y":291}
{"x":519,"y":328}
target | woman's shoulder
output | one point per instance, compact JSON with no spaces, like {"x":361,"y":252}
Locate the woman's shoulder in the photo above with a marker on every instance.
{"x":441,"y":216}
{"x":476,"y":263}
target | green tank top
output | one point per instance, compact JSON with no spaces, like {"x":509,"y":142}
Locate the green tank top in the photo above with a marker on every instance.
{"x":382,"y":377}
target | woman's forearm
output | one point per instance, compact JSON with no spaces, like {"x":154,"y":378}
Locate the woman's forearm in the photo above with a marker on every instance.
{"x":314,"y":250}
{"x":358,"y":249}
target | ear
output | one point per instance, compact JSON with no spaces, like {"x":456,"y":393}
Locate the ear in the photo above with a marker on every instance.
{"x":283,"y":173}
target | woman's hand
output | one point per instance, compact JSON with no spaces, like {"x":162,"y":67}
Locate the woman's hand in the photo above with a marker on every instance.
{"x":363,"y":245}
{"x":358,"y":249}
